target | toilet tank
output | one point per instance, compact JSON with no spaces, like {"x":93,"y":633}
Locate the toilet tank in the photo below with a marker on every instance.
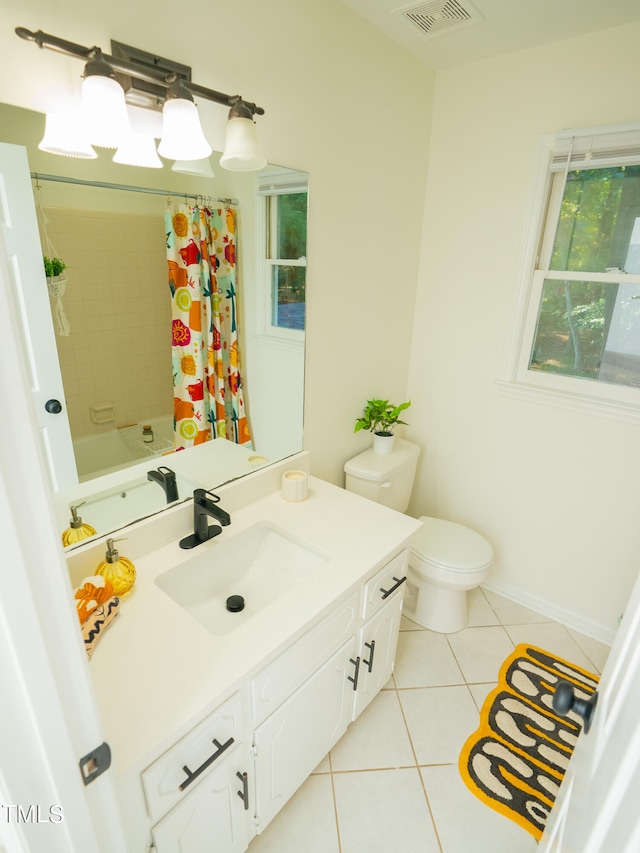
{"x":386,"y":478}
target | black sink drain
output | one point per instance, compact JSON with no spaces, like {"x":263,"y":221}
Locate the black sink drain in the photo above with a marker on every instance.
{"x":235,"y":603}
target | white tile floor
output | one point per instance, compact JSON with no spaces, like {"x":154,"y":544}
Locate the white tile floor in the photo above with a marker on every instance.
{"x":391,"y":785}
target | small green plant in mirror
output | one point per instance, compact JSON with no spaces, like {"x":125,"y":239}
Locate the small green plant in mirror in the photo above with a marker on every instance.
{"x":381,"y":417}
{"x":53,"y":266}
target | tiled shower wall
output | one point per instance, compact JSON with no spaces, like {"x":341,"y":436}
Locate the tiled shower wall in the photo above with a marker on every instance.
{"x":118,"y":305}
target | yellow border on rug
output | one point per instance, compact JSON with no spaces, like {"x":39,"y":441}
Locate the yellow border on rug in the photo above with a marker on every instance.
{"x":484,"y":730}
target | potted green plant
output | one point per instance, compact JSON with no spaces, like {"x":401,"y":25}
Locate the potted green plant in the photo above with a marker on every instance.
{"x":381,"y":418}
{"x":56,"y":285}
{"x":53,"y":267}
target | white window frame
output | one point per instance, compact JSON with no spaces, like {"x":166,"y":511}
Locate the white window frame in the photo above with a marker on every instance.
{"x":603,"y":146}
{"x":270,"y":183}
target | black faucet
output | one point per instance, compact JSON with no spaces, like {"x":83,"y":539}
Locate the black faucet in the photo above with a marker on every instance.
{"x":205,"y":504}
{"x":166,"y":478}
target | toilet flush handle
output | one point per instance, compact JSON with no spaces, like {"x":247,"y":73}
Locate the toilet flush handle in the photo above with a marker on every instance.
{"x":386,"y":484}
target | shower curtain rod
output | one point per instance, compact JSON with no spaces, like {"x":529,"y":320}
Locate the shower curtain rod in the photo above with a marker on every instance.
{"x":102,"y":184}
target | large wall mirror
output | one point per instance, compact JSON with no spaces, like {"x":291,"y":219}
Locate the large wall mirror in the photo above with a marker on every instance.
{"x":112,"y":328}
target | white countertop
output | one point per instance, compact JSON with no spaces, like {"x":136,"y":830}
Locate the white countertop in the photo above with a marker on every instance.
{"x":157,"y":671}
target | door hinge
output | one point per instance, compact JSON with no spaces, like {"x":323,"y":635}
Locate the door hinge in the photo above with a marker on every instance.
{"x":253,"y":751}
{"x":95,"y":763}
{"x":255,"y":821}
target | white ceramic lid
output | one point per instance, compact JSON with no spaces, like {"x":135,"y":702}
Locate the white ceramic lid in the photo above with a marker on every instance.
{"x":379,"y":467}
{"x":451,"y":545}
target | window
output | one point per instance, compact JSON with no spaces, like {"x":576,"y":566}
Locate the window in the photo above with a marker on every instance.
{"x":580,"y":328}
{"x":284,"y":239}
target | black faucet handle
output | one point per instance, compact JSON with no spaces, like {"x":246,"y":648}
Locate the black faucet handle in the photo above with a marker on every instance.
{"x":167,"y":479}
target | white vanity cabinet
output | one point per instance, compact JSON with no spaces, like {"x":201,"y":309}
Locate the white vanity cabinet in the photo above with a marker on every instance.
{"x":378,"y":640}
{"x":378,"y":637}
{"x":212,"y":817}
{"x":270,"y":735}
{"x":200,"y":787}
{"x":291,"y":742}
{"x":294,"y":739}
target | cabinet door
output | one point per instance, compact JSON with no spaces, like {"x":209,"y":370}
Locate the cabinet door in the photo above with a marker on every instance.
{"x":294,"y":739}
{"x":212,"y":817}
{"x":377,"y":643}
{"x":207,"y":745}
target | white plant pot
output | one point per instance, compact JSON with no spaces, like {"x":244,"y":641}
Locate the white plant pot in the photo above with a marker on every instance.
{"x":382,"y":443}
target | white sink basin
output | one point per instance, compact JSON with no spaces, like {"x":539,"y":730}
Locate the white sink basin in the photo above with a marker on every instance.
{"x":260,"y":564}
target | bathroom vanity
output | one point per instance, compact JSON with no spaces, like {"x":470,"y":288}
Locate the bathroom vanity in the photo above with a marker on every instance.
{"x":214,"y":725}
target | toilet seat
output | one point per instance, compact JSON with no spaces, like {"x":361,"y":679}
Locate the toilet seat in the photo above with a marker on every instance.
{"x":450,"y":547}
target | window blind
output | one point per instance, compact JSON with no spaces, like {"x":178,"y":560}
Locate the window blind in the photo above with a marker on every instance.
{"x":282,"y":181}
{"x":592,"y":148}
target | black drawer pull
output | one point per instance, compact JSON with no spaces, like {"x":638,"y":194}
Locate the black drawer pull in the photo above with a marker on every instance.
{"x":244,"y":793}
{"x":354,"y":680}
{"x":398,"y":582}
{"x":372,"y":647}
{"x":220,"y":748}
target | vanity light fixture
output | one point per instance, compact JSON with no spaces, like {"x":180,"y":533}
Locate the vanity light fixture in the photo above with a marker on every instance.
{"x":197,"y":168}
{"x":138,"y":149}
{"x":241,"y":151}
{"x":64,"y":134}
{"x":182,"y":136}
{"x":103,"y":103}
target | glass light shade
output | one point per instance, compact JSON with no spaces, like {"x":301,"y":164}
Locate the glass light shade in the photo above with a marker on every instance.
{"x":199,"y":168}
{"x":64,"y":134}
{"x":138,"y":149}
{"x":241,"y":151}
{"x":182,"y":136}
{"x":105,"y":111}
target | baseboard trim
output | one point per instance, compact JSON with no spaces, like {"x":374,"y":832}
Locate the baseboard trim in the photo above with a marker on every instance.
{"x":593,"y":629}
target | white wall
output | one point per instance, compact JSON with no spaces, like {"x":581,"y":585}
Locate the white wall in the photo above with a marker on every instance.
{"x":340,"y":101}
{"x":556,"y":492}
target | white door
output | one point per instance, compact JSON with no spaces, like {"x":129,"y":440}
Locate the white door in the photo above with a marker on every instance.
{"x":598,"y":806}
{"x":28,"y":291}
{"x":48,"y":717}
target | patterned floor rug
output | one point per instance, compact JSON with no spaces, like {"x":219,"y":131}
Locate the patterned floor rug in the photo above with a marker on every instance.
{"x":516,"y":759}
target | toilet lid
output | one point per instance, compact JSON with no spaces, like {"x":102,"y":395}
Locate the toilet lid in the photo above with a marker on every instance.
{"x":444,"y":543}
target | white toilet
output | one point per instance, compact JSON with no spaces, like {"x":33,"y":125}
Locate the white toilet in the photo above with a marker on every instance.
{"x":446,"y":559}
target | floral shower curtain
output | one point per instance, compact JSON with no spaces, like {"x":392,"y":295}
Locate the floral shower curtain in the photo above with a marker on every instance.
{"x":208,"y":399}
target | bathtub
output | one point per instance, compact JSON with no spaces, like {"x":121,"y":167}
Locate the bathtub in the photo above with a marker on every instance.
{"x":118,"y":448}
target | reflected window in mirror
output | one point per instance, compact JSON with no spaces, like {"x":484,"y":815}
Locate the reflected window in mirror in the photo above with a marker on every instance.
{"x":284,"y":208}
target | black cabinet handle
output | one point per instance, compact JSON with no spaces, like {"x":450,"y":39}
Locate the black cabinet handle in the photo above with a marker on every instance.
{"x":220,"y":748}
{"x":244,"y":793}
{"x":372,"y":647}
{"x":354,"y":680}
{"x":564,"y":700}
{"x":398,"y":582}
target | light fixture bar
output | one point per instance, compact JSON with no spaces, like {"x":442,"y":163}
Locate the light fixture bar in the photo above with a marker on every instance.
{"x":131,"y":68}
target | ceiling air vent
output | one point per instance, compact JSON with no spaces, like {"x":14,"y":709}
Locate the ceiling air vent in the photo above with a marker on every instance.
{"x":441,"y":16}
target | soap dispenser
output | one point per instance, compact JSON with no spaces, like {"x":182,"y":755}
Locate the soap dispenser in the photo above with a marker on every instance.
{"x":78,"y":529}
{"x":119,"y":571}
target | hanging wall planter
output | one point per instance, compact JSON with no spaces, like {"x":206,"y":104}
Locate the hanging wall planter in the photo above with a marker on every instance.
{"x":53,"y":267}
{"x":56,"y":285}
